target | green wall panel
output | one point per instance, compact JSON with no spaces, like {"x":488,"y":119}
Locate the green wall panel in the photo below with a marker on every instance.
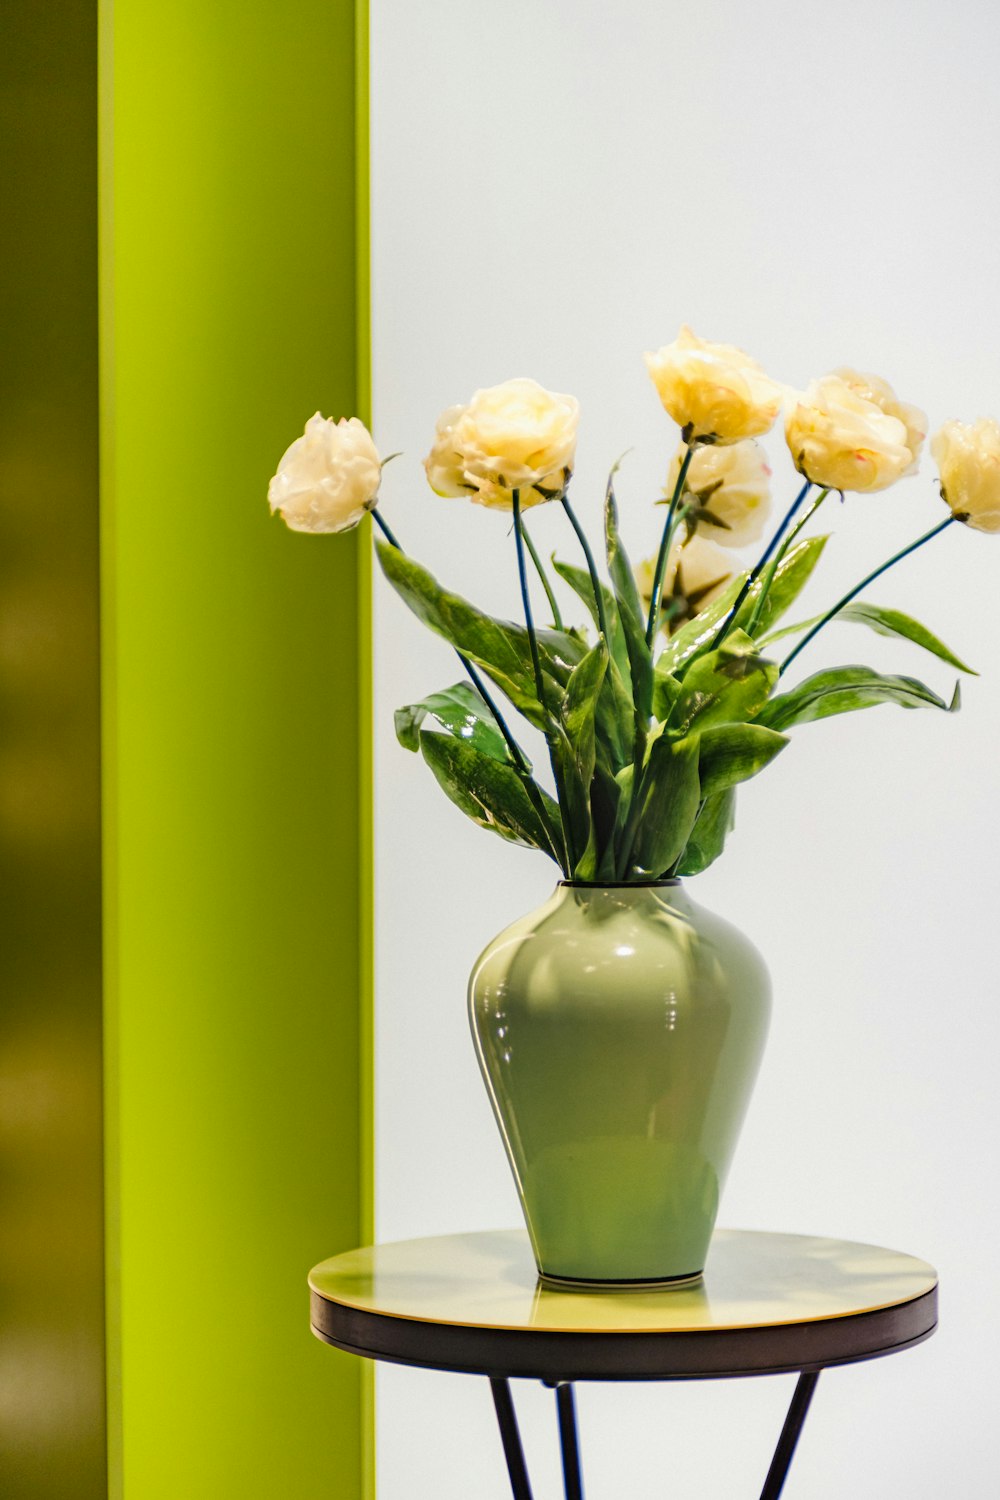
{"x":235,"y":734}
{"x":51,"y":1253}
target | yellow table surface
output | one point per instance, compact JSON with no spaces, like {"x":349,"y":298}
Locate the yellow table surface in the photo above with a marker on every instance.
{"x":752,"y":1279}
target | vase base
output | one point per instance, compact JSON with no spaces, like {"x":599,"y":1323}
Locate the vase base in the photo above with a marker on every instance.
{"x":633,"y":1284}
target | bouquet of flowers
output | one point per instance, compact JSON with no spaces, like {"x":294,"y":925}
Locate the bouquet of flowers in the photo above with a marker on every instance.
{"x":677,"y":697}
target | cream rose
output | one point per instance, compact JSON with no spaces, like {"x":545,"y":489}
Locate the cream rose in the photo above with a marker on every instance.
{"x":697,"y":572}
{"x":714,"y":392}
{"x":328,"y":478}
{"x":873,"y":388}
{"x":730,"y":483}
{"x":842,"y":441}
{"x":512,"y":436}
{"x":968,"y":459}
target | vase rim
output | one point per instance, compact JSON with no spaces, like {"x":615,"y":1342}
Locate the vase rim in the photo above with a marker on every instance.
{"x":619,"y":885}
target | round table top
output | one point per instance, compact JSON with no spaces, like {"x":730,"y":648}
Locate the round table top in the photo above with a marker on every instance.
{"x":766,"y":1303}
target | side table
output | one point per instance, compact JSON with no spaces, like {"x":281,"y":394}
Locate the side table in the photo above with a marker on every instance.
{"x":768,"y":1304}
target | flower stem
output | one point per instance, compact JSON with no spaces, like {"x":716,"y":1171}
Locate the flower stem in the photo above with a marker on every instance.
{"x":383,"y":526}
{"x":665,"y":540}
{"x":804,"y":520}
{"x":779,"y":557}
{"x":897,"y":557}
{"x":595,"y":582}
{"x":536,"y":662}
{"x":769,"y":550}
{"x":557,"y":619}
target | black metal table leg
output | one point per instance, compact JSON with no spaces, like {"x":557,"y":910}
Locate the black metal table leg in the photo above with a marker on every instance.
{"x":511,"y":1438}
{"x":572,"y":1477}
{"x":781,"y":1462}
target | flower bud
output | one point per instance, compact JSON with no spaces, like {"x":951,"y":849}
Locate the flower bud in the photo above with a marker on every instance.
{"x":730,"y":487}
{"x":697,"y":572}
{"x":328,"y":478}
{"x":968,"y":459}
{"x":714,"y":392}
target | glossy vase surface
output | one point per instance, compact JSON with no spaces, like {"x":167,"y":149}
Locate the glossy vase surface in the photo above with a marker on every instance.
{"x":619,"y":1030}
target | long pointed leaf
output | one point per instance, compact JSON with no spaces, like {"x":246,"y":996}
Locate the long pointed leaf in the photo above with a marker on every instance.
{"x":732,"y":753}
{"x":669,"y":795}
{"x":615,"y":718}
{"x":490,"y":793}
{"x":842,"y":690}
{"x":695,"y":635}
{"x":499,"y":646}
{"x":888,"y":622}
{"x":579,"y":581}
{"x":790,"y":578}
{"x":708,"y":837}
{"x":629,"y":610}
{"x":461,"y":711}
{"x":579,"y":707}
{"x":727,"y":686}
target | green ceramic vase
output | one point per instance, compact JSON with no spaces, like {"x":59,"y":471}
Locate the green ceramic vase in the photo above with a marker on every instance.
{"x":619,"y":1030}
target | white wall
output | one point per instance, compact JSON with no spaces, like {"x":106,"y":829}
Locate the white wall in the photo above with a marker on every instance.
{"x":558,"y":184}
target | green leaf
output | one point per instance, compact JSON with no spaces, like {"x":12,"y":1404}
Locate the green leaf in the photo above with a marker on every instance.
{"x":889,"y":622}
{"x":579,"y":581}
{"x":727,"y":686}
{"x":499,"y":646}
{"x":575,"y":752}
{"x":790,"y":578}
{"x":731,"y":753}
{"x":629,"y":610}
{"x":615,"y":719}
{"x":490,"y":793}
{"x":787,"y":630}
{"x":666,"y":690}
{"x":615,"y":710}
{"x":708,"y":837}
{"x":841,"y":690}
{"x":461,"y":711}
{"x":579,"y":707}
{"x":605,"y":801}
{"x":669,"y":795}
{"x":574,"y":801}
{"x":695,"y":635}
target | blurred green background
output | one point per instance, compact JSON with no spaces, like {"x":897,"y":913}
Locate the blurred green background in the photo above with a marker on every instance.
{"x":183,"y":752}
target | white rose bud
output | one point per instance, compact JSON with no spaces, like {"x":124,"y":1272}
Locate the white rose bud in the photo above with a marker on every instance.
{"x":731,"y":485}
{"x":968,"y":459}
{"x":714,"y":392}
{"x":697,"y":572}
{"x":512,"y":436}
{"x":842,"y":441}
{"x":872,"y":388}
{"x":328,"y":478}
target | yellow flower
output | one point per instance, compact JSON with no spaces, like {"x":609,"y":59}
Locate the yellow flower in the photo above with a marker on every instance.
{"x":328,"y":478}
{"x":731,"y":485}
{"x":968,"y":459}
{"x":872,"y":388}
{"x":697,"y":572}
{"x":842,"y":441}
{"x":714,"y":392}
{"x":512,"y":436}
